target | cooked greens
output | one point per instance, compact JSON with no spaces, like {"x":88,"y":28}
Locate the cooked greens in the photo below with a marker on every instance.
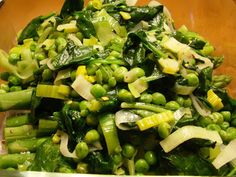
{"x":115,"y":89}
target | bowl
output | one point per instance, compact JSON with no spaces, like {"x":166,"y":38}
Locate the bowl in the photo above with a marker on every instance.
{"x":213,"y":19}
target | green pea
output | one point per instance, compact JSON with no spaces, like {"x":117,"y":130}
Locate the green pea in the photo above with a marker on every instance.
{"x":172,"y":105}
{"x":226,"y":115}
{"x":52,"y":53}
{"x":91,"y":69}
{"x":115,"y":54}
{"x":233,"y":122}
{"x":119,"y":73}
{"x":217,"y":118}
{"x":133,"y":74}
{"x":180,"y":100}
{"x":99,"y":76}
{"x":73,"y":75}
{"x":112,"y":82}
{"x":192,"y":79}
{"x":79,"y":35}
{"x":14,"y":58}
{"x":125,"y":95}
{"x":204,"y":121}
{"x":225,"y":125}
{"x":98,"y":91}
{"x":65,"y":169}
{"x":223,"y":135}
{"x":75,"y":105}
{"x":128,"y":151}
{"x":158,"y":98}
{"x":187,"y":103}
{"x":83,"y":105}
{"x":40,"y":56}
{"x":231,"y":133}
{"x":84,"y":112}
{"x":5,"y":87}
{"x":114,"y":66}
{"x":14,"y":80}
{"x":91,"y":136}
{"x":47,"y":75}
{"x":81,"y":150}
{"x":61,"y":43}
{"x":164,"y":129}
{"x":214,"y":127}
{"x":106,"y":87}
{"x":110,"y":57}
{"x":94,"y":105}
{"x":146,"y":98}
{"x":117,"y":158}
{"x":82,"y":167}
{"x":91,"y":120}
{"x":74,"y":94}
{"x":4,"y":76}
{"x":150,"y":157}
{"x":141,"y":166}
{"x":15,"y":88}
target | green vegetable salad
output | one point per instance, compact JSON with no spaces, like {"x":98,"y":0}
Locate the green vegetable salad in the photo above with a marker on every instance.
{"x":113,"y":88}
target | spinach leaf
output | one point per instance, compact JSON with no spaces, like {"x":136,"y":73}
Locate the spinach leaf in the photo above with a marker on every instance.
{"x":70,"y":6}
{"x":73,"y":54}
{"x":205,"y":79}
{"x":98,"y":163}
{"x":144,"y":13}
{"x":134,"y":51}
{"x":30,"y":31}
{"x":72,"y":123}
{"x":190,"y":163}
{"x":85,"y":24}
{"x":47,"y":157}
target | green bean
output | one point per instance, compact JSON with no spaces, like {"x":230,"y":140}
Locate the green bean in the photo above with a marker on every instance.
{"x":158,"y":98}
{"x":150,"y":157}
{"x":119,"y":73}
{"x":172,"y":105}
{"x":81,"y":150}
{"x":91,"y":136}
{"x":99,"y":78}
{"x":164,"y":130}
{"x":125,"y":95}
{"x":145,"y":106}
{"x":192,"y":79}
{"x":141,"y":166}
{"x":98,"y":91}
{"x":114,"y":66}
{"x":82,"y":167}
{"x":142,"y":113}
{"x":128,"y":151}
{"x":146,"y":98}
{"x":115,"y":54}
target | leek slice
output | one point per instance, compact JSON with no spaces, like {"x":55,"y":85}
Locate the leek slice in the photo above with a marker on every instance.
{"x":198,"y":105}
{"x":53,"y":91}
{"x":155,"y":120}
{"x":107,"y":123}
{"x":63,"y":74}
{"x":228,"y":154}
{"x":137,"y":87}
{"x":186,"y":133}
{"x":82,"y":87}
{"x":183,"y":89}
{"x":214,"y":100}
